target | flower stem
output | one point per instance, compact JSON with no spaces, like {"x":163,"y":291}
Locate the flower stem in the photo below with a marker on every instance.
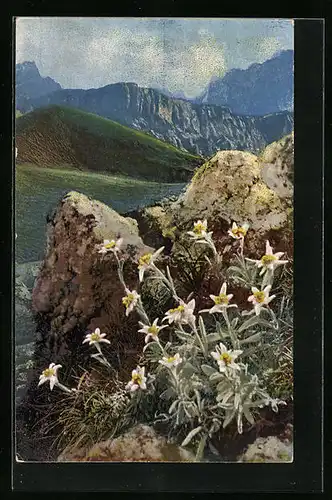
{"x":63,"y":387}
{"x":231,"y":332}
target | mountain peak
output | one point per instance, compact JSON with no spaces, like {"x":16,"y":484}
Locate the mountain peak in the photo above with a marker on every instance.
{"x":27,"y":70}
{"x":260,"y":89}
{"x":30,"y":83}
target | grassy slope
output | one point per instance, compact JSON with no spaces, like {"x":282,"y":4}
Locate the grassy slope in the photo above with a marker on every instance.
{"x":63,"y":136}
{"x":38,"y":190}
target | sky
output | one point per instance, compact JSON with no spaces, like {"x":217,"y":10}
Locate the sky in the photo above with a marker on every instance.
{"x":181,"y":55}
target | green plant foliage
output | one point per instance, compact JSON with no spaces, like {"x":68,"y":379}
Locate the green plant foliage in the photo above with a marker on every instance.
{"x":197,"y":376}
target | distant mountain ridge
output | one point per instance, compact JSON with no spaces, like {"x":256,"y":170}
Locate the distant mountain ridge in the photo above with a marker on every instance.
{"x":30,"y":84}
{"x":199,"y":128}
{"x":258,"y":90}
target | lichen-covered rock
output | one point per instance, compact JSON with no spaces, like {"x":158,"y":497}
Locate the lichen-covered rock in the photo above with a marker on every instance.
{"x":278,"y":166}
{"x":269,"y":449}
{"x":230,"y":187}
{"x":77,"y":290}
{"x":140,"y":444}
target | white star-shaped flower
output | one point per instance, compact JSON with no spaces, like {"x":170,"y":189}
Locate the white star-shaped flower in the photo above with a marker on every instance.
{"x":260,"y":298}
{"x":221,"y":301}
{"x":225,"y":358}
{"x":49,"y":374}
{"x":110,"y":246}
{"x":269,"y":260}
{"x":151,"y":331}
{"x":130,"y":300}
{"x":238,"y":232}
{"x":183,"y":314}
{"x":138,"y":380}
{"x":145,"y":262}
{"x":171,"y":361}
{"x":95,"y":338}
{"x":200,"y":230}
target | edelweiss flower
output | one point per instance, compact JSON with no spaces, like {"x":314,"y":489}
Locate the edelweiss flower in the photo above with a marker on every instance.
{"x":50,"y":374}
{"x":260,"y":298}
{"x":221,"y":301}
{"x":95,"y":338}
{"x":110,"y":246}
{"x":151,"y":330}
{"x":238,"y":232}
{"x":171,"y":361}
{"x":200,"y":230}
{"x":130,"y":301}
{"x":225,"y":358}
{"x":183,"y":314}
{"x":269,"y":260}
{"x":146,"y":260}
{"x":138,"y":380}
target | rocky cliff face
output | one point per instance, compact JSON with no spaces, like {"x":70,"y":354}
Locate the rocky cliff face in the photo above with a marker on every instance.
{"x":30,"y":84}
{"x":259,"y":90}
{"x":199,"y":128}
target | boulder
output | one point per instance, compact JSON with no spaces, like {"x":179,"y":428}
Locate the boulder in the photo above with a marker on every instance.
{"x":77,"y":289}
{"x":140,"y":444}
{"x":234,"y":186}
{"x":268,"y":449}
{"x":277,"y":163}
{"x":230,"y":187}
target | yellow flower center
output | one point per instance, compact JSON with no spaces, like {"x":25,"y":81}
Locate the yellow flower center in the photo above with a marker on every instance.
{"x":95,"y":337}
{"x":49,"y":372}
{"x":126,"y":301}
{"x":239,"y":231}
{"x":199,"y":228}
{"x":221,"y":299}
{"x":109,"y":245}
{"x":171,"y":359}
{"x":137,"y":378}
{"x":259,"y":296}
{"x":267,"y":259}
{"x":145,"y":260}
{"x":153,"y":330}
{"x":226,"y":358}
{"x":177,"y":309}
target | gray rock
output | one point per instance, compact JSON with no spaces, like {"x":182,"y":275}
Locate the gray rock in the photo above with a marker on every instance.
{"x":278,"y":166}
{"x":270,"y":449}
{"x":140,"y":444}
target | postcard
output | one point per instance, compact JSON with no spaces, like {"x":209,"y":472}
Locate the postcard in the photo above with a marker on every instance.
{"x":154,"y":175}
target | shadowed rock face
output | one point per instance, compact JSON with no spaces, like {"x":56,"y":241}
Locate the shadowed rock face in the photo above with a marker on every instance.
{"x":198,"y":128}
{"x":77,"y":290}
{"x":30,"y":84}
{"x":258,"y":90}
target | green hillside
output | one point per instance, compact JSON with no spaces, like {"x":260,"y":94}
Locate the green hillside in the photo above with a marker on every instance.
{"x":59,"y":136}
{"x":38,"y":191}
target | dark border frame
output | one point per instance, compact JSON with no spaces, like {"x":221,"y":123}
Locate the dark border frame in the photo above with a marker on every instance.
{"x":305,"y":473}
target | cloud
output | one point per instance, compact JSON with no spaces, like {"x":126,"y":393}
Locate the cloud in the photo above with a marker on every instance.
{"x":181,"y":55}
